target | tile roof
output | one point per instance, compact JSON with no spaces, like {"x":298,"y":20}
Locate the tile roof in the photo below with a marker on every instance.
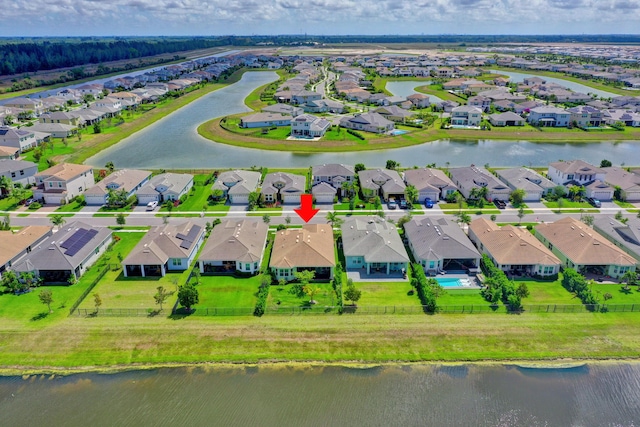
{"x":12,"y":243}
{"x":373,"y":238}
{"x":310,"y":246}
{"x":162,"y":243}
{"x":240,"y":240}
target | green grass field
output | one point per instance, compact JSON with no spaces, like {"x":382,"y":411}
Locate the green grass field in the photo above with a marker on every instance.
{"x":385,"y":294}
{"x":228,"y":291}
{"x":280,"y":296}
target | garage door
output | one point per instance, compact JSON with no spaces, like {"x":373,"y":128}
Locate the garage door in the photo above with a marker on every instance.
{"x":602,"y":195}
{"x":143,"y":200}
{"x":94,"y":200}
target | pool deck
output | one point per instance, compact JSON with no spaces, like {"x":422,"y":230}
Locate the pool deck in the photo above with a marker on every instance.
{"x":474,"y":282}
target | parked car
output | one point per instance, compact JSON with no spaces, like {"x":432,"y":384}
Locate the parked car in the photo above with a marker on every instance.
{"x":403,"y":204}
{"x":29,"y":201}
{"x":500,"y":204}
{"x":152,"y":205}
{"x":392,"y":204}
{"x":428,"y":203}
{"x":594,"y":202}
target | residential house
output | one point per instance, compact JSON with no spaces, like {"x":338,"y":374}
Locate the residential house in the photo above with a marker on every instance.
{"x":60,"y":117}
{"x":9,"y":153}
{"x":308,"y":248}
{"x":628,"y":182}
{"x":525,"y":107}
{"x":19,"y":171}
{"x":283,"y":187}
{"x":626,"y":116}
{"x":56,"y":130}
{"x":582,"y":248}
{"x":63,"y":182}
{"x":419,"y":100}
{"x":323,"y":106}
{"x":236,"y":185}
{"x":481,"y":102}
{"x":66,"y":254}
{"x":235,"y":245}
{"x":324,"y":193}
{"x":468,"y":178}
{"x":585,"y":116}
{"x":466,"y":115}
{"x":283,"y":109}
{"x":163,"y":249}
{"x":580,"y":173}
{"x":333,"y":174}
{"x":439,"y":244}
{"x":534,"y":185}
{"x":265,"y":120}
{"x":308,"y":126}
{"x":127,"y":180}
{"x":93,"y":89}
{"x":369,"y":122}
{"x":385,"y":183}
{"x":508,"y":118}
{"x":22,"y":139}
{"x":163,"y":187}
{"x":395,"y":113}
{"x":625,"y":236}
{"x":373,"y":245}
{"x":512,"y":249}
{"x":304,"y":96}
{"x":15,"y":244}
{"x":33,"y":105}
{"x":547,"y":116}
{"x":431,"y":183}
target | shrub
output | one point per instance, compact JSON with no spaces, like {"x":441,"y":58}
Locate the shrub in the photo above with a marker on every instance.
{"x":356,"y":134}
{"x":263,"y":294}
{"x":34,"y":206}
{"x":337,"y":286}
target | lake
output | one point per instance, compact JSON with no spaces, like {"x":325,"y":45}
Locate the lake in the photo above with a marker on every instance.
{"x":173,"y":142}
{"x":411,"y":395}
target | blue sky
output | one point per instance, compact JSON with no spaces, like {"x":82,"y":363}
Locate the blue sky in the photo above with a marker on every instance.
{"x":246,"y":17}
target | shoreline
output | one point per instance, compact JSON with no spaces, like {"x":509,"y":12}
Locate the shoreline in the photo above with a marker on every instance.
{"x":214,"y":132}
{"x":569,"y":363}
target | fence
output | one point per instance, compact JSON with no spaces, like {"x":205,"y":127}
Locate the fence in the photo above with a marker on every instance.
{"x":362,"y":310}
{"x":90,"y":288}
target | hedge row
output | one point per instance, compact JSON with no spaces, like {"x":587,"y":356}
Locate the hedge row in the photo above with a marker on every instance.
{"x":337,"y":286}
{"x":578,"y":284}
{"x":263,"y":294}
{"x":356,"y":134}
{"x":425,"y":288}
{"x":498,"y":286}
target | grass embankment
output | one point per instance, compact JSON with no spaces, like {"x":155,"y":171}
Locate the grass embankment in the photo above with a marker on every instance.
{"x":212,"y":130}
{"x":102,"y":341}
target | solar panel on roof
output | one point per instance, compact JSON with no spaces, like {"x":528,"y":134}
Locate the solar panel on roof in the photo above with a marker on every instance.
{"x":74,"y":238}
{"x":80,"y":242}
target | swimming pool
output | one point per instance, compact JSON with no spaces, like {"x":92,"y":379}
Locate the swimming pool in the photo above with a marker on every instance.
{"x":449,"y":282}
{"x":399,"y":132}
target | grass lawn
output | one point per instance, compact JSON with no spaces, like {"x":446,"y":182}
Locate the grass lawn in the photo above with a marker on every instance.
{"x":11,"y":203}
{"x":385,"y":294}
{"x":458,"y":297}
{"x":70,"y":207}
{"x":280,"y":296}
{"x":620,"y":296}
{"x":570,"y":204}
{"x":547,"y":293}
{"x":228,"y":291}
{"x":625,"y":205}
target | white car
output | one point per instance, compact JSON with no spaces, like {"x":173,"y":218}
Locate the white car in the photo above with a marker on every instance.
{"x":152,"y":205}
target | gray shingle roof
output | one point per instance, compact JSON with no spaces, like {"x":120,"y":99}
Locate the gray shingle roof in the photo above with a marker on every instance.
{"x":374,"y":239}
{"x":236,"y":240}
{"x":439,"y":238}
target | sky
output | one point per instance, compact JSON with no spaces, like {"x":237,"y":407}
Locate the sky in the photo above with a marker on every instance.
{"x":322,"y":17}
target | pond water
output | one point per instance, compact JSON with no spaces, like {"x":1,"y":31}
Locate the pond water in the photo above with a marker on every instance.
{"x":576,"y":87}
{"x":408,"y":88}
{"x":173,"y":142}
{"x":412,"y":395}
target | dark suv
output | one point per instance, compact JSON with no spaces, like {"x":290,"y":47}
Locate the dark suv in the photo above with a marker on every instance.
{"x":500,"y":204}
{"x":594,"y":202}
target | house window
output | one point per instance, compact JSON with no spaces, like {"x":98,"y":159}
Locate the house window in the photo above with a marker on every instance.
{"x":13,"y":174}
{"x":431,"y":264}
{"x":247,"y":267}
{"x":21,"y":173}
{"x":177,"y":261}
{"x":50,"y":184}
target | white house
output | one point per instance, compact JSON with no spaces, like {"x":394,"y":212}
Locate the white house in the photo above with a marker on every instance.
{"x":21,"y":139}
{"x":466,"y":115}
{"x":236,"y":185}
{"x":129,"y":180}
{"x":165,"y":186}
{"x":63,"y":182}
{"x":308,"y":126}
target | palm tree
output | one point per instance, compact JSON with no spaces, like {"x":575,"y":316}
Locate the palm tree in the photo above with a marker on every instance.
{"x":334,"y":219}
{"x":6,"y":185}
{"x":411,"y":193}
{"x":58,"y":220}
{"x":630,"y":278}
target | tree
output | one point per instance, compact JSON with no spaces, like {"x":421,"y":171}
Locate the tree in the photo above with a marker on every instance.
{"x":411,"y":193}
{"x":46,"y":297}
{"x":460,"y":201}
{"x":334,"y":219}
{"x":312,"y":291}
{"x":266,"y":218}
{"x":109,"y":166}
{"x":97,"y":127}
{"x":216,"y":194}
{"x":604,"y":163}
{"x":392,"y":164}
{"x":117,"y":198}
{"x":359,"y":167}
{"x":188,"y":296}
{"x":287,"y":219}
{"x":121,"y":219}
{"x":352,"y":293}
{"x":97,"y":301}
{"x":522,"y":291}
{"x":6,"y":186}
{"x":161,"y":296}
{"x":254,"y":198}
{"x":588,"y":219}
{"x":195,"y":276}
{"x":58,"y":220}
{"x":629,"y":278}
{"x":520,"y":214}
{"x":10,"y":281}
{"x":576,"y":192}
{"x":517,"y":196}
{"x":464,"y":218}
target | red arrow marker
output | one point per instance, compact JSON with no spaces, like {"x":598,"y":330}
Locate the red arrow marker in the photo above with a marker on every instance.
{"x":306,"y":211}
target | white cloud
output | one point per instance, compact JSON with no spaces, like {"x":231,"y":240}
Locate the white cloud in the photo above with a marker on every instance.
{"x":77,"y":17}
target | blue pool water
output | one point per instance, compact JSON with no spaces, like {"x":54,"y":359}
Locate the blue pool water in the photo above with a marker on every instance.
{"x":448,"y":282}
{"x":399,"y":132}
